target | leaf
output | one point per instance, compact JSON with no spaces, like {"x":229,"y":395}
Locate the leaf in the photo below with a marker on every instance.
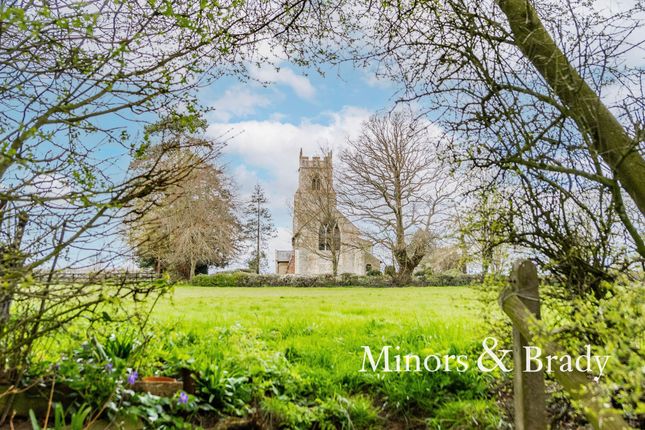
{"x":34,"y":420}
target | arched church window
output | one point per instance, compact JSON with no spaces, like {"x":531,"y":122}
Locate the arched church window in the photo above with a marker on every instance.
{"x":328,"y":237}
{"x":315,"y":183}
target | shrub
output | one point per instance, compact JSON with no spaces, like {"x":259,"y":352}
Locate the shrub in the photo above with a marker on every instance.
{"x":223,"y":279}
{"x":241,"y":279}
{"x":613,"y":326}
{"x":389,"y":271}
{"x":348,"y":279}
{"x":90,"y":374}
{"x":228,"y":393}
{"x":450,"y":280}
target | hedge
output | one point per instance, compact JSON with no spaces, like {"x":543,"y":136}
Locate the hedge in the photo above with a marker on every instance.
{"x":242,"y":279}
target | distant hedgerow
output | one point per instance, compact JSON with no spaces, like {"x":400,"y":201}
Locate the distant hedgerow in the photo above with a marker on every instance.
{"x":243,"y":279}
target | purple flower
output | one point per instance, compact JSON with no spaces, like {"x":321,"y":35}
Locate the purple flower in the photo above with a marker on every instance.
{"x":108,"y":367}
{"x":183,"y":398}
{"x":132,"y":377}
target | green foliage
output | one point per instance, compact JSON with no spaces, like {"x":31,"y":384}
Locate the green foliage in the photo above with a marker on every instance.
{"x":93,"y":374}
{"x":253,"y":263}
{"x":288,"y":358}
{"x":229,"y":394}
{"x":122,"y":346}
{"x":245,"y":279}
{"x":77,"y":418}
{"x":257,"y":227}
{"x":163,"y":413}
{"x":613,"y":325}
{"x":389,"y":271}
{"x":448,"y":278}
{"x":218,"y":279}
{"x":90,"y":374}
{"x":467,"y":415}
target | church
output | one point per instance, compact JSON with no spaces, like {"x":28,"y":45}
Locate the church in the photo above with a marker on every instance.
{"x":324,"y":241}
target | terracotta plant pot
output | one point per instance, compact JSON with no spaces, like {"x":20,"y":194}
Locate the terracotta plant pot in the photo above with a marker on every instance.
{"x":158,"y":385}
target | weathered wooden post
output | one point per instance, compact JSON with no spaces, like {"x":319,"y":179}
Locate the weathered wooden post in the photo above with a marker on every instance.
{"x":521,"y":302}
{"x":529,"y":395}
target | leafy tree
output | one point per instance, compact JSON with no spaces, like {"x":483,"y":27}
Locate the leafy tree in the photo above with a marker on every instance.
{"x":253,"y":260}
{"x":257,"y":226}
{"x":484,"y":229}
{"x":190,"y":224}
{"x":77,"y":79}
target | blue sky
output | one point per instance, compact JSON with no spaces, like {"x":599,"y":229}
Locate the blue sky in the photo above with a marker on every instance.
{"x":267,"y":125}
{"x":265,"y":128}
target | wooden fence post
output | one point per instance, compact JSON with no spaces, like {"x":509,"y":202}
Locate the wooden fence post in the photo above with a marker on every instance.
{"x":529,"y":395}
{"x":521,"y":302}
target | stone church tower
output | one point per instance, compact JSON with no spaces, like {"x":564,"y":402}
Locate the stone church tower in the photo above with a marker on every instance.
{"x":323,"y":238}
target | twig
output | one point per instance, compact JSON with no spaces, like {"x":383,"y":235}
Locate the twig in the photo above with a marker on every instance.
{"x":49,"y":403}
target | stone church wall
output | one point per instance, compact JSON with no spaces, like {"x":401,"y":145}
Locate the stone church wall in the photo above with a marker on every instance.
{"x":314,"y":197}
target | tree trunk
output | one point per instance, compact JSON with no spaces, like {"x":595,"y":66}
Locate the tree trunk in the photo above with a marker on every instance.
{"x":334,"y":264}
{"x":257,"y":249}
{"x":5,"y":307}
{"x":193,"y":264}
{"x":404,"y":274}
{"x":484,"y":268}
{"x":487,"y":259}
{"x":609,"y":139}
{"x":463,"y":250}
{"x":11,"y":268}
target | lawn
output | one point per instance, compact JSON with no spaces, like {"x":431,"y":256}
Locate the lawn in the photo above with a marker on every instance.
{"x":291,"y":356}
{"x":442,"y":315}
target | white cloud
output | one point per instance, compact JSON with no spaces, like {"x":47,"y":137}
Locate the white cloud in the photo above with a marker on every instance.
{"x":272,"y":146}
{"x":267,"y":152}
{"x":245,"y":179}
{"x":283,"y":75}
{"x":277,"y":116}
{"x":373,"y":80}
{"x":238,"y":101}
{"x":268,"y":52}
{"x":243,"y":100}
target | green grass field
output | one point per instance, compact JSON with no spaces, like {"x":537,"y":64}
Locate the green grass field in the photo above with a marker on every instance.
{"x":290,"y":358}
{"x":442,"y":314}
{"x":294,"y":354}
